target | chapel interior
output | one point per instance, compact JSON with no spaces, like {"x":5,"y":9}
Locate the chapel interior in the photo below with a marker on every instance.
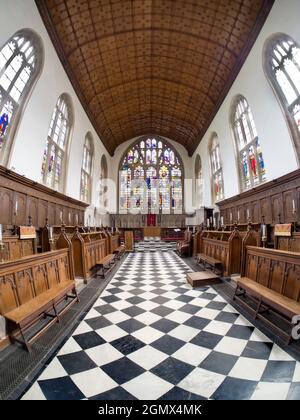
{"x":150,"y":200}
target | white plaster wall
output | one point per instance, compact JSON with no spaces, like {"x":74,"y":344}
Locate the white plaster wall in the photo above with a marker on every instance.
{"x":271,"y":125}
{"x":31,"y":135}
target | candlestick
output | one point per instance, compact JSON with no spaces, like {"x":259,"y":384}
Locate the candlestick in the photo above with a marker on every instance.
{"x":16,"y":207}
{"x":222,"y":220}
{"x":61,"y":215}
{"x":230,"y":217}
{"x":248,"y":214}
{"x":51,"y":232}
{"x":238,"y":216}
{"x":1,"y":233}
{"x":294,"y":207}
{"x":76,"y":219}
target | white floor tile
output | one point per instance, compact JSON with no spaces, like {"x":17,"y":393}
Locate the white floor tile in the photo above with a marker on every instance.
{"x":247,"y":368}
{"x":116,"y":317}
{"x":71,"y":346}
{"x":202,"y":382}
{"x":233,"y":346}
{"x":207,"y":313}
{"x":183,"y":332}
{"x":93,"y":382}
{"x":111,"y":333}
{"x":178,"y":316}
{"x":147,"y":335}
{"x":147,"y":357}
{"x":103,"y":354}
{"x":147,"y":387}
{"x":218,"y":327}
{"x":191,"y":354}
{"x":147,"y":318}
{"x":271,"y":391}
{"x":34,"y":394}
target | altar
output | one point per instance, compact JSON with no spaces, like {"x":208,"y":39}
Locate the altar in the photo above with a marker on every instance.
{"x":152,"y":232}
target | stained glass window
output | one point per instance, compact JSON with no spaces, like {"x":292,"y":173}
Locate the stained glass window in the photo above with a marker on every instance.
{"x":249,"y":154}
{"x":86,"y":170}
{"x":103,"y":186}
{"x":53,"y":165}
{"x":151,"y":177}
{"x":21,"y":60}
{"x":282,"y":63}
{"x":199,"y":182}
{"x":216,"y":169}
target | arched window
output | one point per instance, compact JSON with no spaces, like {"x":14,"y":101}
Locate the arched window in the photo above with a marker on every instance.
{"x":103,"y":186}
{"x":199,"y":182}
{"x":250,"y":159}
{"x":86,"y":170}
{"x":54,"y":162}
{"x":21,"y":60}
{"x":216,"y":169}
{"x":282,"y":67}
{"x":151,"y":178}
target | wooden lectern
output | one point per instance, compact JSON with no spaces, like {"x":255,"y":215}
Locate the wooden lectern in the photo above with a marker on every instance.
{"x":129,"y":240}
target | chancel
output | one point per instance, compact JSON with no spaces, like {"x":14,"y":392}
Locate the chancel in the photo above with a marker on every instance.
{"x":149,"y":200}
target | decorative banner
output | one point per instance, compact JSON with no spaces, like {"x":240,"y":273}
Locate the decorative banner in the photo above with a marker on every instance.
{"x":283,"y":230}
{"x":27,"y":232}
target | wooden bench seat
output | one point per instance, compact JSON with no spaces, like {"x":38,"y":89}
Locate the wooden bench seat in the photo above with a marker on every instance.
{"x":270,"y":285}
{"x":35,"y":288}
{"x":120,"y":251}
{"x":106,"y":264}
{"x":269,"y":297}
{"x":215,"y":264}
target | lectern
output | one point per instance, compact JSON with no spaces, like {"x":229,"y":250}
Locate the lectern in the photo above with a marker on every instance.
{"x":129,"y":241}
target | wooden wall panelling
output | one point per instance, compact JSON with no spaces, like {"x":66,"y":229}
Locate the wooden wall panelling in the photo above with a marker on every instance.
{"x":35,"y":200}
{"x":277,"y":208}
{"x":51,"y":214}
{"x":255,"y":211}
{"x":6,"y":212}
{"x":32,"y":210}
{"x":19,"y":209}
{"x":269,"y":200}
{"x":287,"y":202}
{"x":42,"y":212}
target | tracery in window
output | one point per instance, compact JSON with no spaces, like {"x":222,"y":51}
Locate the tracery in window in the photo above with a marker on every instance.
{"x":216,"y":169}
{"x":53,"y":165}
{"x":21,"y":61}
{"x":282,"y":66}
{"x":250,"y":159}
{"x":198,"y":182}
{"x":151,"y":178}
{"x":86,"y":170}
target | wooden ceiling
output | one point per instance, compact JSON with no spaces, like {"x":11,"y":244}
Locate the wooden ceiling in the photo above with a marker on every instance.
{"x":153,"y":66}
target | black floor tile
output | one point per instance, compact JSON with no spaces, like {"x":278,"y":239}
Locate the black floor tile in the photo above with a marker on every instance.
{"x":172,"y":370}
{"x":122,"y":370}
{"x":61,"y":389}
{"x":76,"y":362}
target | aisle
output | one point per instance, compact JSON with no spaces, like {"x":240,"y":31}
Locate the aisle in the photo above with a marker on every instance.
{"x":150,"y":336}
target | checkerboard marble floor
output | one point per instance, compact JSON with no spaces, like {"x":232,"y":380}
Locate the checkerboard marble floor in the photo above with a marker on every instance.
{"x":155,"y":245}
{"x":151,"y":336}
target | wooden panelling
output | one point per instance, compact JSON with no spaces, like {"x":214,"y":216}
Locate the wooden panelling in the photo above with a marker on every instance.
{"x":275,"y":269}
{"x":272,"y":200}
{"x":88,"y":248}
{"x":21,"y":198}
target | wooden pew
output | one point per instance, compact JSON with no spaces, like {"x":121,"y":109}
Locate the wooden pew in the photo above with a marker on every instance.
{"x":88,"y":249}
{"x":271,"y":280}
{"x":33,"y":288}
{"x":184,"y":247}
{"x":222,"y":248}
